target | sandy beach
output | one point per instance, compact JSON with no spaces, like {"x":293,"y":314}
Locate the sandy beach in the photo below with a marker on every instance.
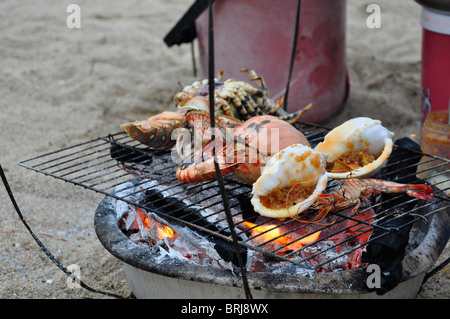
{"x":62,"y":86}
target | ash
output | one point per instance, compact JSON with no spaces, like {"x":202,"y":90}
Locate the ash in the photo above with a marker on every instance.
{"x":188,"y":245}
{"x":185,"y":245}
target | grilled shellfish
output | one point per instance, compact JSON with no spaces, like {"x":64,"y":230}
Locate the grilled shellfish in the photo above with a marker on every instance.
{"x":290,"y":182}
{"x":357,"y":148}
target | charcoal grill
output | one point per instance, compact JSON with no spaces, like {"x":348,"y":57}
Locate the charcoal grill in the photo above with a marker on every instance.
{"x":105,"y":163}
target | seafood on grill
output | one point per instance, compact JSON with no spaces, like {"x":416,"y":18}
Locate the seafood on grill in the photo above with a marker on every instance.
{"x":163,"y":130}
{"x":235,"y":102}
{"x":238,"y":99}
{"x":290,"y":183}
{"x":245,"y":153}
{"x":352,"y":190}
{"x":295,"y":179}
{"x":357,"y":148}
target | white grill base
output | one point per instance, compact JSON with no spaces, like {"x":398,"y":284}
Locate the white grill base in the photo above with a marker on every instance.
{"x":147,"y":285}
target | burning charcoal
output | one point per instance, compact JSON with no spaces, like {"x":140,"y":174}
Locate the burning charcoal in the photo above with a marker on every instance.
{"x":145,"y":163}
{"x":122,"y":154}
{"x":387,"y":252}
{"x":246,"y":207}
{"x":388,"y":249}
{"x":401,"y":165}
{"x":279,"y":237}
{"x":174,"y":212}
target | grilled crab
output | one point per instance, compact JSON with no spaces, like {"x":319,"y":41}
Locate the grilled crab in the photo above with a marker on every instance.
{"x":235,"y":102}
{"x":252,"y":145}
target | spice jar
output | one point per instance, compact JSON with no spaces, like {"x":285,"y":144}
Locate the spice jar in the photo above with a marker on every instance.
{"x":435,"y":140}
{"x":435,"y":136}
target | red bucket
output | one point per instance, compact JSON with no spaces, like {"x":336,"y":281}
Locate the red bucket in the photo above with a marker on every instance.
{"x":435,"y":61}
{"x":258,"y":34}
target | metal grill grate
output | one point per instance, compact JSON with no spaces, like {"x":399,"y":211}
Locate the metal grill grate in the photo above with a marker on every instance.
{"x":98,"y":165}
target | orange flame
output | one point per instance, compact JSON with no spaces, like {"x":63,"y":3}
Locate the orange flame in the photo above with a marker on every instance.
{"x":159,"y":231}
{"x":273,"y":236}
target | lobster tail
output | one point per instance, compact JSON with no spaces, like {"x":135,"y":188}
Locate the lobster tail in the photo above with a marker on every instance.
{"x":202,"y":171}
{"x":157,"y":130}
{"x":200,"y":165}
{"x":420,"y":191}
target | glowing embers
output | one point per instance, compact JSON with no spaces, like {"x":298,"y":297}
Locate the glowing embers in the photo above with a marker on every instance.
{"x":142,"y":229}
{"x":272,"y":235}
{"x":303,"y":246}
{"x":139,"y":226}
{"x":335,"y":243}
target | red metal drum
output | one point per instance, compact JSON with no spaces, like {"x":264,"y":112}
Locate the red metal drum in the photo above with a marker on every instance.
{"x":435,"y":60}
{"x":258,"y":34}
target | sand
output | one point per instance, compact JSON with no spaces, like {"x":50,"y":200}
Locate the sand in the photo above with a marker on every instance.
{"x":62,"y":86}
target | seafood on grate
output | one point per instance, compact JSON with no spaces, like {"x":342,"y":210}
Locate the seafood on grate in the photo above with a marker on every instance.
{"x":235,"y":102}
{"x":352,"y":190}
{"x":164,"y":130}
{"x":238,"y":99}
{"x":290,"y":183}
{"x":244,"y":153}
{"x":295,"y":179}
{"x":357,"y":148}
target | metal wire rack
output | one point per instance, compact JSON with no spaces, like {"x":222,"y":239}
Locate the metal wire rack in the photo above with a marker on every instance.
{"x":107,"y":163}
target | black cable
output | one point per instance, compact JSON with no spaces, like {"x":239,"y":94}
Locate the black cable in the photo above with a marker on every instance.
{"x":44,"y":249}
{"x":435,"y":270}
{"x":294,"y":50}
{"x":194,"y":64}
{"x":220,"y":181}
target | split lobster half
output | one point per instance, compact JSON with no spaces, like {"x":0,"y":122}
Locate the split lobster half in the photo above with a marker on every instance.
{"x":245,"y":153}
